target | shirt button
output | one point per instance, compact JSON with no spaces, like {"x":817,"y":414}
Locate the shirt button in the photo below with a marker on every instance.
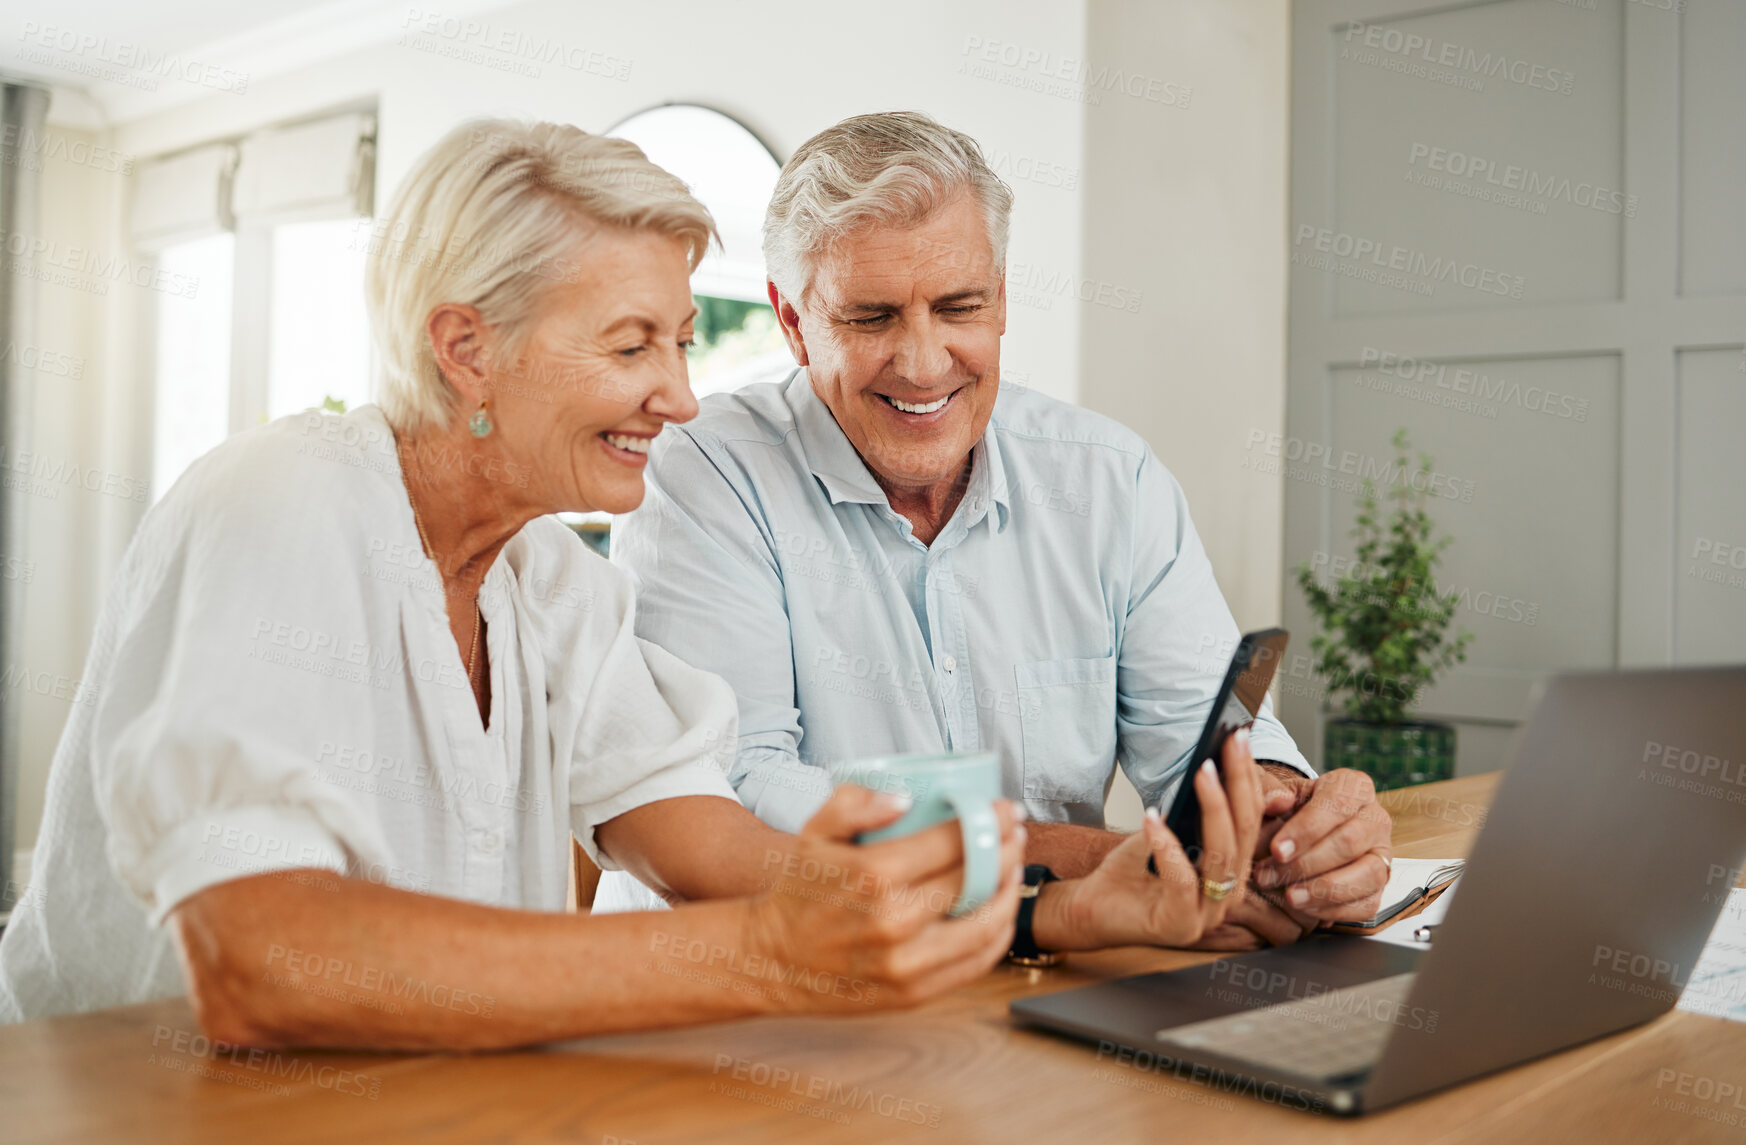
{"x":950,"y":663}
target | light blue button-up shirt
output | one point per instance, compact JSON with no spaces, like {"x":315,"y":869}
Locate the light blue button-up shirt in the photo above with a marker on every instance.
{"x":1066,"y":618}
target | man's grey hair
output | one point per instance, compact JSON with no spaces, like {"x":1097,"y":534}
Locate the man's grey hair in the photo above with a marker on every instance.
{"x":894,"y":168}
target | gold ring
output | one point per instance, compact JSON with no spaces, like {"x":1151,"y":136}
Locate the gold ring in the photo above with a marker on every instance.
{"x":1217,"y":891}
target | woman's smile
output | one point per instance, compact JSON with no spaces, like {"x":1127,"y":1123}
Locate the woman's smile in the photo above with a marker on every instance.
{"x":628,"y":448}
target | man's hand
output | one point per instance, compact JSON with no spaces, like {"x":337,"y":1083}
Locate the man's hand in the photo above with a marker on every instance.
{"x":1330,"y":853}
{"x":1121,"y":903}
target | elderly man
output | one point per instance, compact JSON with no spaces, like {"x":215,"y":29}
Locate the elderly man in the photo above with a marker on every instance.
{"x":889,"y":552}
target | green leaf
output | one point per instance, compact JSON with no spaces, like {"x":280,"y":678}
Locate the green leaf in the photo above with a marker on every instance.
{"x":1384,"y":625}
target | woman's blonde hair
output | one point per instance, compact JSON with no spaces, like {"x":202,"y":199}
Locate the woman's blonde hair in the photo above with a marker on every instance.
{"x":488,"y":217}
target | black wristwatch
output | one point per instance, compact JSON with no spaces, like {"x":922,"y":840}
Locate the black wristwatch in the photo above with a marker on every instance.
{"x":1025,"y":951}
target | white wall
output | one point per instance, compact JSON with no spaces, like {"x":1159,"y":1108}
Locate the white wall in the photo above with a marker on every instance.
{"x":62,"y":406}
{"x":1189,"y":204}
{"x":1186,"y":203}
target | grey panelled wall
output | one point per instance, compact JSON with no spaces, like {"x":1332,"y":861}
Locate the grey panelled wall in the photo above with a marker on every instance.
{"x":1518,"y":229}
{"x":1709,"y":598}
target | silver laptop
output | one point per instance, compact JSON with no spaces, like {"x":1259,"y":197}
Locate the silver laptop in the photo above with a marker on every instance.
{"x":1606,"y":858}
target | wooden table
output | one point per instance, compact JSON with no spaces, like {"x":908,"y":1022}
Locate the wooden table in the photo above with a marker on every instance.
{"x":955,"y":1070}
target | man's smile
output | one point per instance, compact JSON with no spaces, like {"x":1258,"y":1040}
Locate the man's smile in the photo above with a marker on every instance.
{"x":908,"y":408}
{"x":918,"y":413}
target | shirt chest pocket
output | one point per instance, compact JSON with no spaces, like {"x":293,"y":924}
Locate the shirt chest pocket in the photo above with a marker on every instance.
{"x":1067,"y":713}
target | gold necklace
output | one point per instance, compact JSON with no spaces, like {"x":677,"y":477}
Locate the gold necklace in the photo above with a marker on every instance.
{"x":478,"y":613}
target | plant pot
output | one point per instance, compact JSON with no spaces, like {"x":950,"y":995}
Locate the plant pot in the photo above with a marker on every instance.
{"x":1394,"y":755}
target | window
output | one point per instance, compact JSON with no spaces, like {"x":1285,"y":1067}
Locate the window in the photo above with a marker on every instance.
{"x":319,"y":340}
{"x":733,"y":173}
{"x":737,"y":343}
{"x":267,"y":227}
{"x":193,"y":358}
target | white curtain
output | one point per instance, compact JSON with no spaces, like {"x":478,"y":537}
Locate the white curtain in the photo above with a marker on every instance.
{"x":320,"y":169}
{"x":310,"y":170}
{"x":183,"y":197}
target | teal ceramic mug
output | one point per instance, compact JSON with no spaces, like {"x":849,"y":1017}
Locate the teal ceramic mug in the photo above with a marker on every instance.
{"x":961,"y":786}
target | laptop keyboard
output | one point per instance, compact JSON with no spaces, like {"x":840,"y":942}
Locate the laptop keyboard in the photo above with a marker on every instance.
{"x":1333,"y":1035}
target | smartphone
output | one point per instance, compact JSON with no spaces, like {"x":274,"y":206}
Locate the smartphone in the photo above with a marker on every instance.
{"x":1238,"y":701}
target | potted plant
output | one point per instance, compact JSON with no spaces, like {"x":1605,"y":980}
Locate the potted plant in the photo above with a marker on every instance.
{"x":1383,"y":636}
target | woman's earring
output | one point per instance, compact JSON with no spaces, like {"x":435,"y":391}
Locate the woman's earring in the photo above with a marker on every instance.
{"x":481,"y":423}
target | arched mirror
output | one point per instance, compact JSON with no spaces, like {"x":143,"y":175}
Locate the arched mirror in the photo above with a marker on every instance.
{"x":733,"y":173}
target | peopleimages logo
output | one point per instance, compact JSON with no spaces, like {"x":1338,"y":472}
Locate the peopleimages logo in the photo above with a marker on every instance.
{"x":188,"y":1051}
{"x":1692,"y":771}
{"x":1427,"y":52}
{"x":13,"y":677}
{"x":1689,"y":761}
{"x":1705,"y":1098}
{"x":26,"y":148}
{"x":44,"y":475}
{"x":835,"y":1096}
{"x":87,"y":269}
{"x":1482,"y":387}
{"x":732,"y":967}
{"x":1041,"y":171}
{"x":518,"y":49}
{"x":1405,"y":260}
{"x":1329,"y":568}
{"x":1382,"y":471}
{"x":129,"y":56}
{"x":1066,"y":76}
{"x":1529,"y":182}
{"x":1719,"y":553}
{"x":1038,"y":286}
{"x":41,"y":361}
{"x":1252,"y":986}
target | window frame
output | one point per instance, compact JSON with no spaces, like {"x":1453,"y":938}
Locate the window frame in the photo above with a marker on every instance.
{"x":252,"y":274}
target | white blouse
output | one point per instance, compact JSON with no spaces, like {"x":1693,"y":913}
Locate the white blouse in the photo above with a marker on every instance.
{"x":273,"y":684}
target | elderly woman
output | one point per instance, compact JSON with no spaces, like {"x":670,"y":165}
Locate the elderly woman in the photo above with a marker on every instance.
{"x":358,"y":687}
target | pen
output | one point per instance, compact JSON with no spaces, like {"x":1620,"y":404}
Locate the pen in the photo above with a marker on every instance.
{"x":1423,"y":933}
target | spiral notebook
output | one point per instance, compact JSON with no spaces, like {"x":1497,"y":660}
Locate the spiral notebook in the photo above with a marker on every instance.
{"x":1413,"y":884}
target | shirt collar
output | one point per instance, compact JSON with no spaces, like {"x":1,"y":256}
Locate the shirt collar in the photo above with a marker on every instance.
{"x":845,"y":476}
{"x":829,"y":453}
{"x":991,"y":463}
